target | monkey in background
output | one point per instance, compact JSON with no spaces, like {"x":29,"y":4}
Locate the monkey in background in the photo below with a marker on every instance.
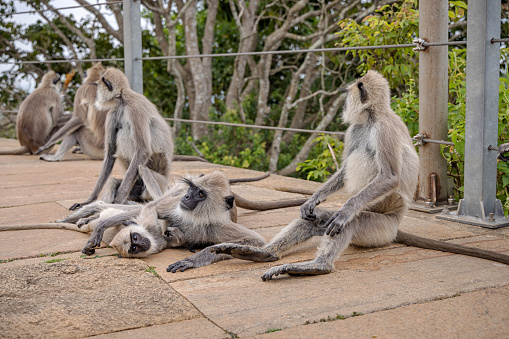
{"x":39,"y":115}
{"x":86,"y":126}
{"x":379,"y":173}
{"x":135,"y":134}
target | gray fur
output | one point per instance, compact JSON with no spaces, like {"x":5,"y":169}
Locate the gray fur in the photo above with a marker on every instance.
{"x":86,"y":126}
{"x":39,"y":115}
{"x":135,"y":134}
{"x":379,"y":175}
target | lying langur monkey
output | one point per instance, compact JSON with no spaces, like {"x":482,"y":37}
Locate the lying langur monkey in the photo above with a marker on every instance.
{"x":137,"y":135}
{"x":379,"y":173}
{"x":179,"y":218}
{"x":39,"y":115}
{"x":86,"y":126}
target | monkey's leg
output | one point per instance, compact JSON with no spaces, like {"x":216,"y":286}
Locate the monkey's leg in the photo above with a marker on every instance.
{"x":84,"y":212}
{"x":89,"y":144}
{"x":68,"y":142}
{"x":110,"y":189}
{"x":151,"y":184}
{"x":295,"y":233}
{"x":368,"y":229}
{"x":70,"y":127}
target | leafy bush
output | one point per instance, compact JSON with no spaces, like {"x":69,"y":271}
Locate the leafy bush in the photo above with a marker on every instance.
{"x":319,"y":167}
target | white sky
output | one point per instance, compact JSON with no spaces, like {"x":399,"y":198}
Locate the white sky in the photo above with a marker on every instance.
{"x":31,"y":18}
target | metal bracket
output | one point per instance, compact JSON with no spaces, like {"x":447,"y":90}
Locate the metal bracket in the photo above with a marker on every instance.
{"x":420,"y":140}
{"x":419,"y":43}
{"x":493,"y":220}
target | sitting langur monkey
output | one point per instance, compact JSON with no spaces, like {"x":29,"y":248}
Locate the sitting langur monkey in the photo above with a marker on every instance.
{"x":86,"y":126}
{"x":379,"y":173}
{"x":138,"y":136}
{"x":39,"y":115}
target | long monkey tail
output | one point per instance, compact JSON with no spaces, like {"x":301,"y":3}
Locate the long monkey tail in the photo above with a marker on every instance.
{"x":49,"y":225}
{"x":416,"y":241}
{"x":263,"y":176}
{"x":16,"y":151}
{"x":266,"y":205}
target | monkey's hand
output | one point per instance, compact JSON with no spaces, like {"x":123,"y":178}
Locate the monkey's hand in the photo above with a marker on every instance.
{"x":94,"y":241}
{"x":307,"y":210}
{"x":336,"y":223}
{"x":79,"y":205}
{"x":181,"y":266}
{"x":41,"y":149}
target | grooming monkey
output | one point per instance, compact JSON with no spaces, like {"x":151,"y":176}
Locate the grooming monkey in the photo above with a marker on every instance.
{"x":39,"y":115}
{"x":135,"y":134}
{"x":86,"y":126}
{"x":379,"y":173}
{"x":195,"y":212}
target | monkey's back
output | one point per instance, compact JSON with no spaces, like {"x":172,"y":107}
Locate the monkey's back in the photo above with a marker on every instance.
{"x":36,"y":117}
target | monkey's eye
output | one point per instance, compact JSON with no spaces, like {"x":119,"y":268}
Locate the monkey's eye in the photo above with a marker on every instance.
{"x":134,"y":248}
{"x":201,"y":194}
{"x":135,"y":237}
{"x":108,"y":84}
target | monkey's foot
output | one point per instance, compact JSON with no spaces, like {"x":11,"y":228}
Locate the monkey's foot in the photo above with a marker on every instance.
{"x":244,"y":252}
{"x":88,"y":251}
{"x":306,"y":268}
{"x":181,"y":266}
{"x":48,"y":157}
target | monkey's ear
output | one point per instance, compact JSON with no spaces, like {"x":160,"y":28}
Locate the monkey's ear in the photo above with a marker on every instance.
{"x":229,"y":202}
{"x":362,"y":91}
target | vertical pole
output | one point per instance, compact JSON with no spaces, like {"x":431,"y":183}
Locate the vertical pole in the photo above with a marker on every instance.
{"x":132,"y":45}
{"x":433,"y":92}
{"x":481,"y":119}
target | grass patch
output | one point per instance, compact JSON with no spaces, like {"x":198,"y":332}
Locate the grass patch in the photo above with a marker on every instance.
{"x":270,"y":330}
{"x":337,"y":317}
{"x":55,"y":260}
{"x":152,"y":269}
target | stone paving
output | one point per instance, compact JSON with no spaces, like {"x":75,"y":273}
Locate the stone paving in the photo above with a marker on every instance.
{"x":48,"y":289}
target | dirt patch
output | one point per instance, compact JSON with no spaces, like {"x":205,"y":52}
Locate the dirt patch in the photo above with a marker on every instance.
{"x":84,"y":297}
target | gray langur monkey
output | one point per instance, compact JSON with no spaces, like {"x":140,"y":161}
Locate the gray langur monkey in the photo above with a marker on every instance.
{"x":195,"y":212}
{"x":135,"y":134}
{"x":39,"y":116}
{"x":86,"y":126}
{"x":379,"y":174}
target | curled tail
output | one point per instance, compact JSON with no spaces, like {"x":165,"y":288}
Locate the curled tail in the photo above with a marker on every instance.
{"x":416,"y":241}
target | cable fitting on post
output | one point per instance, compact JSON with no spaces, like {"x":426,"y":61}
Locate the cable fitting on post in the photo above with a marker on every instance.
{"x":419,"y":43}
{"x":420,"y":140}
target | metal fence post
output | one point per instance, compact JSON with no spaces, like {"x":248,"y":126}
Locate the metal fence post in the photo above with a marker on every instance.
{"x":133,"y":65}
{"x":433,"y":92}
{"x":479,"y":205}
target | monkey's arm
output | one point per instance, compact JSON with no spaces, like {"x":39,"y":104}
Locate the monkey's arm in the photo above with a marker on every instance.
{"x":141,"y":135}
{"x":97,"y":235}
{"x":231,"y":233}
{"x":332,"y":185}
{"x":108,"y":162}
{"x":386,"y":181}
{"x":72,"y":125}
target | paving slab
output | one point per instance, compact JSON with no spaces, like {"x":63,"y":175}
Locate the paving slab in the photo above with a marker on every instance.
{"x":480,"y":314}
{"x":77,"y":298}
{"x":401,"y":291}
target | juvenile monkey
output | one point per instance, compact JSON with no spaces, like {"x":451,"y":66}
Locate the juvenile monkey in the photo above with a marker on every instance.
{"x":86,"y":126}
{"x":39,"y":115}
{"x":136,"y":135}
{"x":379,"y":173}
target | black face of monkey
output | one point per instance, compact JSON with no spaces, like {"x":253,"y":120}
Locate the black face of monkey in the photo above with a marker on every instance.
{"x":194,"y":196}
{"x":139,"y":243}
{"x":108,"y":84}
{"x":362,"y":91}
{"x":56,"y":80}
